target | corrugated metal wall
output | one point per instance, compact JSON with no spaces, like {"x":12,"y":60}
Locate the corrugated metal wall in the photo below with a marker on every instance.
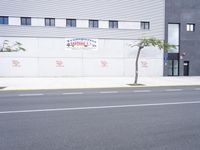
{"x":124,"y":10}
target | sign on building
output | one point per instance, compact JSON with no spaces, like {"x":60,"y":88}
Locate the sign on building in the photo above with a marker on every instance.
{"x":81,"y":44}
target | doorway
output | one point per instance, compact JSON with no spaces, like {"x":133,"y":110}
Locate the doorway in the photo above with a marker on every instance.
{"x":173,"y":67}
{"x":186,"y":68}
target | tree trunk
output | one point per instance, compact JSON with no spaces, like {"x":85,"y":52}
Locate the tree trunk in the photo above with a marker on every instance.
{"x":136,"y":65}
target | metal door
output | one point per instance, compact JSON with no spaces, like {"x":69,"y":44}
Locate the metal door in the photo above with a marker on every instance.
{"x":186,"y":68}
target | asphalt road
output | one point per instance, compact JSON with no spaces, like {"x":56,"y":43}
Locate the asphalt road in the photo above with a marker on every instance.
{"x":159,"y":118}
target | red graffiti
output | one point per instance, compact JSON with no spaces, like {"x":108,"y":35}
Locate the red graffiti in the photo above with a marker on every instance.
{"x":104,"y":64}
{"x":16,"y":63}
{"x":59,"y":63}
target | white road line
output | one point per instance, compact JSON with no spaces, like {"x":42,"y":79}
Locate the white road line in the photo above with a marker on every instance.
{"x":36,"y":94}
{"x":74,"y":93}
{"x":197,"y":89}
{"x":173,"y":90}
{"x":108,"y":92}
{"x":141,"y":91}
{"x":98,"y":107}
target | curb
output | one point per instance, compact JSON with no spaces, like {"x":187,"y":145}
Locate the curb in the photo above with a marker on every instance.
{"x":97,"y":87}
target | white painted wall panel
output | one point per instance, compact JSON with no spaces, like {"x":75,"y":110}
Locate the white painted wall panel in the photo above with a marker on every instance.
{"x":60,"y":22}
{"x":18,"y":67}
{"x":129,"y":67}
{"x":151,"y":67}
{"x":147,"y":52}
{"x":55,"y":47}
{"x":48,"y":57}
{"x":103,"y":24}
{"x":15,"y":21}
{"x":82,"y":23}
{"x":106,"y":49}
{"x":146,"y":67}
{"x":60,"y":67}
{"x":103,"y":67}
{"x":129,"y":25}
{"x":37,"y":22}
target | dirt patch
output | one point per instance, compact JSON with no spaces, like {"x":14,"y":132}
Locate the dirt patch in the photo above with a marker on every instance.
{"x":136,"y":85}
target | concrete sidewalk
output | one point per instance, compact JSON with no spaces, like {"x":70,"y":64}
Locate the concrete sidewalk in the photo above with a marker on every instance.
{"x":95,"y":82}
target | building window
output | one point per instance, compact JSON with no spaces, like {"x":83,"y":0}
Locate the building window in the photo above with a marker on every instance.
{"x":113,"y":24}
{"x":190,"y":27}
{"x":3,"y":20}
{"x":49,"y":21}
{"x":145,"y":25}
{"x":71,"y":22}
{"x":93,"y":23}
{"x":26,"y":21}
{"x":174,"y":37}
{"x":173,"y":67}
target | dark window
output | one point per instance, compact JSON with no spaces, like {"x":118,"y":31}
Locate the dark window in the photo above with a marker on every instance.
{"x":49,"y":21}
{"x":190,"y":27}
{"x":26,"y":21}
{"x":71,"y":22}
{"x":3,"y":20}
{"x":145,"y":25}
{"x":173,"y":67}
{"x":113,"y":24}
{"x":93,"y":23}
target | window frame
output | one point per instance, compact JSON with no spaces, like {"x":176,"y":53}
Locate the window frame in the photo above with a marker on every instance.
{"x":5,"y":20}
{"x":171,"y":25}
{"x":93,"y":23}
{"x":49,"y":23}
{"x":113,"y":24}
{"x":26,"y":19}
{"x":71,"y":23}
{"x":145,"y":25}
{"x":190,"y":27}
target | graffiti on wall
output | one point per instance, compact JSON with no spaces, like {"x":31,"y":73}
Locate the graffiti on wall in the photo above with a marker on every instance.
{"x":144,"y":64}
{"x":6,"y":46}
{"x":16,"y":63}
{"x":104,"y":63}
{"x":59,"y":64}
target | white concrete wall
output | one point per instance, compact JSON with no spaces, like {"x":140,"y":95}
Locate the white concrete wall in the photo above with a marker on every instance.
{"x":49,"y":57}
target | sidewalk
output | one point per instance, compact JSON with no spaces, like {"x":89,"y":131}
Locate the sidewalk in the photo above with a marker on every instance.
{"x":95,"y":82}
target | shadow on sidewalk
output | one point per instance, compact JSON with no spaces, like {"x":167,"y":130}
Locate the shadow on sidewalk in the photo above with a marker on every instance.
{"x":2,"y":87}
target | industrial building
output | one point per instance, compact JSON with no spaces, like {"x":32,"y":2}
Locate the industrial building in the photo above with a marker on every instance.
{"x":65,"y":38}
{"x":182,"y":26}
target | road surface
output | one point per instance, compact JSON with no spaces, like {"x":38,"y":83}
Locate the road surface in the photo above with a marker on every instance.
{"x":153,"y":118}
